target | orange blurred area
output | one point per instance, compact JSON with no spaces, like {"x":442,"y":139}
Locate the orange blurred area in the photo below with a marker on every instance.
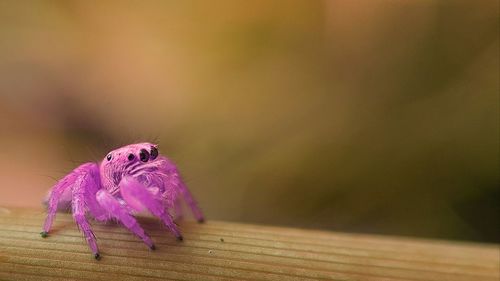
{"x":368,"y":116}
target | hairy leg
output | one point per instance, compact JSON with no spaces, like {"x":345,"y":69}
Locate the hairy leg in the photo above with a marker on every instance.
{"x":61,"y":187}
{"x":178,"y":209}
{"x":78,"y":208}
{"x":190,"y":201}
{"x":119,"y":212}
{"x":134,"y":193}
{"x":169,"y":177}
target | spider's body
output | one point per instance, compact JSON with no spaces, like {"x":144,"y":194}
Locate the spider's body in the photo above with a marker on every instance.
{"x":129,"y":179}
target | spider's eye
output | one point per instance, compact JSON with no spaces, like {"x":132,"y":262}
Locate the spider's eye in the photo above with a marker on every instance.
{"x":109,"y":157}
{"x":154,"y":153}
{"x":131,"y":157}
{"x":144,"y":155}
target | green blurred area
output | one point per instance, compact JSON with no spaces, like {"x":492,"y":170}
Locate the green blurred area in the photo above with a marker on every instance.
{"x":368,"y":116}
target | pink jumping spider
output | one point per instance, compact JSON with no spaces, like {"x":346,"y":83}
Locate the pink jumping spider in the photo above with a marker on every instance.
{"x":128,"y":180}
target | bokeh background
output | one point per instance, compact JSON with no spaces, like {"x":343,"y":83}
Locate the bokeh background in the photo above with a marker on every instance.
{"x":363,"y":116}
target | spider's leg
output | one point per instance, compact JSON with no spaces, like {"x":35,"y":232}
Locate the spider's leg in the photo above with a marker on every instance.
{"x":133,"y":192}
{"x":178,"y":209}
{"x":62,"y":186}
{"x":79,"y":208}
{"x":55,"y":195}
{"x":109,"y":203}
{"x":181,"y":186}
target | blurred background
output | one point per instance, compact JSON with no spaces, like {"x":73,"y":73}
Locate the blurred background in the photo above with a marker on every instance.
{"x":362,"y":116}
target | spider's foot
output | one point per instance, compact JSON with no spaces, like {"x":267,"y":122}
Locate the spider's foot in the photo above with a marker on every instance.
{"x":152,"y":247}
{"x":44,"y":234}
{"x":201,"y":220}
{"x":97,"y":256}
{"x":179,"y":238}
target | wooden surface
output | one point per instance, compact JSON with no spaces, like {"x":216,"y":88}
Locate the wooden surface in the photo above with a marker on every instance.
{"x":228,"y":251}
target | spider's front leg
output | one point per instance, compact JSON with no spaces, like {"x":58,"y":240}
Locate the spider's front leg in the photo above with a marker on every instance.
{"x":82,"y":181}
{"x":113,"y":207}
{"x":173,"y":180}
{"x":190,"y":201}
{"x":65,"y":184}
{"x":137,"y":196}
{"x":78,"y":207}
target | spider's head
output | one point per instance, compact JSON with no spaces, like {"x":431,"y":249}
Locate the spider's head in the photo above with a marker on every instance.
{"x":127,"y":160}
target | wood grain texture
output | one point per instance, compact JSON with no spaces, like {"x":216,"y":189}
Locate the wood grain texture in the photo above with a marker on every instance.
{"x":230,"y":251}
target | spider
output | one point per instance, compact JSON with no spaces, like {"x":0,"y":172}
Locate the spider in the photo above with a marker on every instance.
{"x":128,"y":180}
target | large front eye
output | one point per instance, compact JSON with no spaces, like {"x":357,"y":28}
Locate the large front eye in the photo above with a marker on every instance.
{"x":154,"y":153}
{"x":144,"y":155}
